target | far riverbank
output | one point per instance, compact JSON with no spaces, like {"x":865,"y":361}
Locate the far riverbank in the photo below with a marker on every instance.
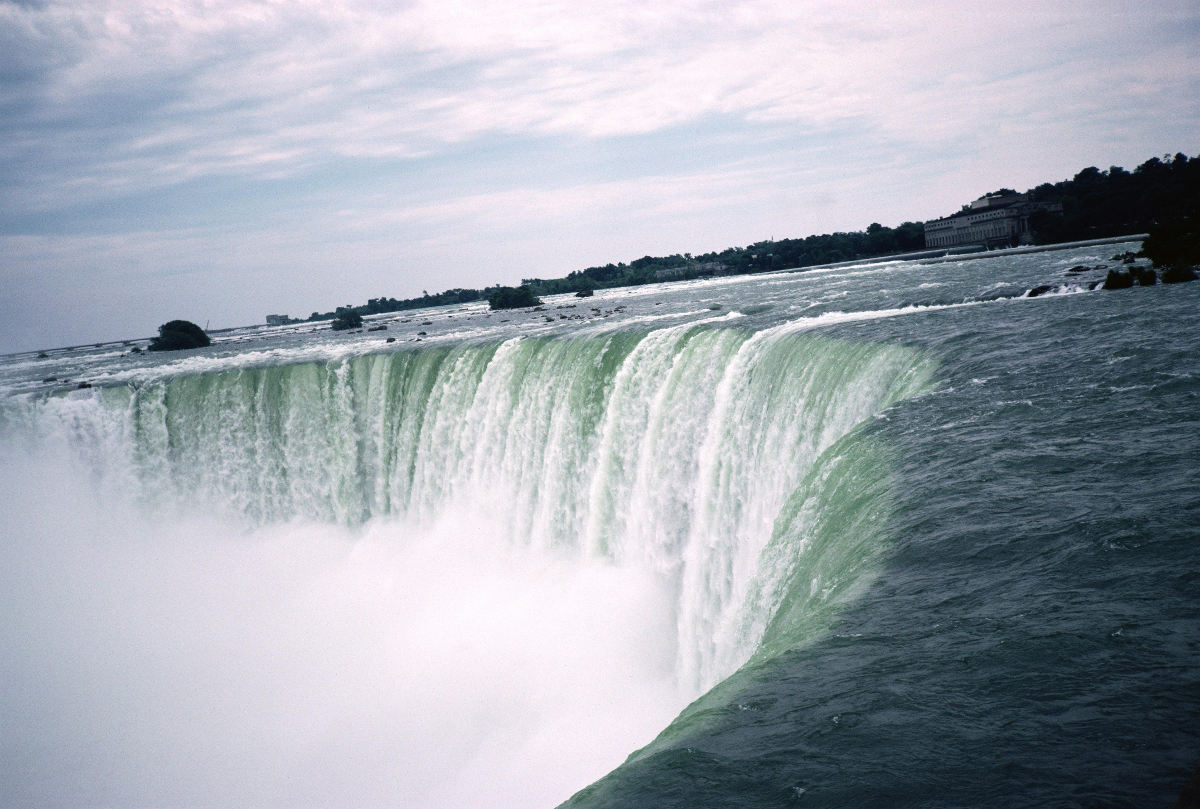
{"x":941,"y":256}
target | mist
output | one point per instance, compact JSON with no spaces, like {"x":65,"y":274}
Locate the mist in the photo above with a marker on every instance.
{"x":155,"y":659}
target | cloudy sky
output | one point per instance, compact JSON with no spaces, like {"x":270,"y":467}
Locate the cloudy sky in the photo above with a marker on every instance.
{"x":217,"y":160}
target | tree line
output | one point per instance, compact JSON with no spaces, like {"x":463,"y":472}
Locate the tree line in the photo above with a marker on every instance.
{"x":1095,"y":204}
{"x":1117,"y":202}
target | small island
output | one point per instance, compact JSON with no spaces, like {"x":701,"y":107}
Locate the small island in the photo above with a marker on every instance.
{"x":513,"y":297}
{"x":346,"y":318}
{"x":178,"y":335}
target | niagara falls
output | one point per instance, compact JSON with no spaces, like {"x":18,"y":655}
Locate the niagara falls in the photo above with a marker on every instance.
{"x":454,"y":404}
{"x":786,"y":534}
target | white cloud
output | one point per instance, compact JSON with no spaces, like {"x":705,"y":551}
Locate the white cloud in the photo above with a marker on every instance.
{"x":242,"y":87}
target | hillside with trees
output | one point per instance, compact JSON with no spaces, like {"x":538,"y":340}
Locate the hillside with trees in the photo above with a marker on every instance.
{"x":1095,"y":203}
{"x":1117,"y":202}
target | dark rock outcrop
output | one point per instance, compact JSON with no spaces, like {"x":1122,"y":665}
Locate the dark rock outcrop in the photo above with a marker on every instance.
{"x":1143,"y":276}
{"x":1118,"y":279}
{"x":1178,"y":274}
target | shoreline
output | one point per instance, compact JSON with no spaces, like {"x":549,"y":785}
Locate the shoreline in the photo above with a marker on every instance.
{"x":941,"y":256}
{"x":938,"y":256}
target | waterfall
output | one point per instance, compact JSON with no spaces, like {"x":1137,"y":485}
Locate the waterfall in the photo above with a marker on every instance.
{"x":679,"y":451}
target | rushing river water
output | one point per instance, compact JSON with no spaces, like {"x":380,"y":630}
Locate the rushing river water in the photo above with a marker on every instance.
{"x":882,"y":536}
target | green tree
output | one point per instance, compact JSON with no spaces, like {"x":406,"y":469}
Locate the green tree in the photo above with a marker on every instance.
{"x":346,"y":318}
{"x":1174,"y":243}
{"x":512,"y":297}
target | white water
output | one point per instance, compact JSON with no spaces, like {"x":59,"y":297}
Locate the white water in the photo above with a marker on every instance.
{"x":153,"y":662}
{"x":479,"y":577}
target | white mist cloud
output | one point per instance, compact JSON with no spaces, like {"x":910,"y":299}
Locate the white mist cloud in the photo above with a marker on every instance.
{"x":179,"y":662}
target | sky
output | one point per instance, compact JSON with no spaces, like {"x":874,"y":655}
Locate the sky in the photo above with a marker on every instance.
{"x":219,"y":160}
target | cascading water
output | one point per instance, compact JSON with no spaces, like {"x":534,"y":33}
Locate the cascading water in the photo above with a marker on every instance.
{"x":693,"y":455}
{"x":673,"y":450}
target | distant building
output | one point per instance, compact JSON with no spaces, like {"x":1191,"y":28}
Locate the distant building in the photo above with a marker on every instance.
{"x":278,"y":320}
{"x":995,"y":220}
{"x":700,"y":270}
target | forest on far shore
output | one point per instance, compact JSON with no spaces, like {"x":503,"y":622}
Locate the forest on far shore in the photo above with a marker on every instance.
{"x":1095,"y":203}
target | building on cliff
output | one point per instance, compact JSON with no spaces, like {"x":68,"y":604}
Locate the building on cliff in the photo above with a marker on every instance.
{"x":702,"y":270}
{"x":994,"y":220}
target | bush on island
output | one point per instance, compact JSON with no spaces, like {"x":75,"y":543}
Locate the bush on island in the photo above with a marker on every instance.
{"x":346,"y":319}
{"x":512,"y":297}
{"x":1174,"y":243}
{"x":178,"y":335}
